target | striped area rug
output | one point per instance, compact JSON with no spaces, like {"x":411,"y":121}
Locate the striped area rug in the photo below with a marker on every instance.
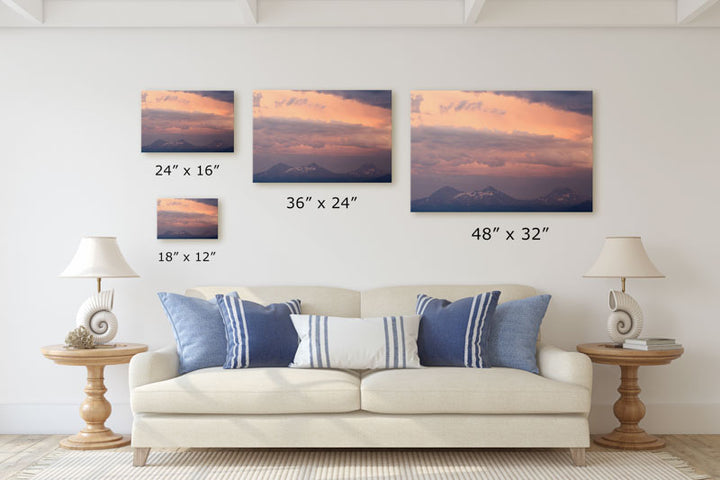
{"x":357,"y":464}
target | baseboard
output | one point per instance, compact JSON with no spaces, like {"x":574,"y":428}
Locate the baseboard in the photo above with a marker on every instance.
{"x":64,"y":418}
{"x":677,"y":418}
{"x":38,"y":418}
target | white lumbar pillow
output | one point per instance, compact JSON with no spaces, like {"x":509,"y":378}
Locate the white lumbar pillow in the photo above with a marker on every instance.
{"x":356,"y":343}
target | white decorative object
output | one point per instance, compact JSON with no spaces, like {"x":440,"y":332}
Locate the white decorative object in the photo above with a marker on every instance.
{"x":99,"y":257}
{"x":623,"y":257}
{"x":626,"y":319}
{"x":96,"y":315}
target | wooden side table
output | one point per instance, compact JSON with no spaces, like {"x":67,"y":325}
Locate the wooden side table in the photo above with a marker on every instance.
{"x":95,"y":409}
{"x":629,"y":410}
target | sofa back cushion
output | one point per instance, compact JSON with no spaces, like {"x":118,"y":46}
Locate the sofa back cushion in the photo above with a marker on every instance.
{"x":401,"y":300}
{"x":315,"y":300}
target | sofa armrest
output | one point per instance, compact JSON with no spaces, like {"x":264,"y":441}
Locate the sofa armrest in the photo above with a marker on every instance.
{"x":151,"y":367}
{"x":569,"y":367}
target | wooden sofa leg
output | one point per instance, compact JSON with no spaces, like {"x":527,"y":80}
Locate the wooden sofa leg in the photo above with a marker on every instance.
{"x":140,"y":456}
{"x":578,"y":456}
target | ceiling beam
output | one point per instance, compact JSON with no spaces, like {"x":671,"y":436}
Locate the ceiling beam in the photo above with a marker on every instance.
{"x":689,"y":10}
{"x":148,"y":13}
{"x":472,"y":10}
{"x":578,"y":13}
{"x":360,"y":13}
{"x":30,"y":9}
{"x":249,"y":8}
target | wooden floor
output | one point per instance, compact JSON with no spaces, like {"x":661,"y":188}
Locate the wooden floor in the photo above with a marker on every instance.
{"x":20,"y":451}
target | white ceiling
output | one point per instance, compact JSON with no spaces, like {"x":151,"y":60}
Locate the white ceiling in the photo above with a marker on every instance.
{"x":359,"y":13}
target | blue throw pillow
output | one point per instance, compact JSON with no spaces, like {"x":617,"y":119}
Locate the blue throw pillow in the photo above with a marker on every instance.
{"x":514,"y":332}
{"x":258,"y":336}
{"x":454,"y":334}
{"x":199,"y":331}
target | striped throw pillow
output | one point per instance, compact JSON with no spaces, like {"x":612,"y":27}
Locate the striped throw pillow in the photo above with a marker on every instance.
{"x":356,"y":343}
{"x":454,"y":334}
{"x":257,"y":335}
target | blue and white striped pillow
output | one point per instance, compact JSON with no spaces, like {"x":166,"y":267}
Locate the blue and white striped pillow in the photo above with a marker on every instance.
{"x":356,"y":343}
{"x":454,"y":334}
{"x":257,"y":335}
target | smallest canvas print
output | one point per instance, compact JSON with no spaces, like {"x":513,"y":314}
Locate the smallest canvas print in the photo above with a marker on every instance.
{"x":187,"y":218}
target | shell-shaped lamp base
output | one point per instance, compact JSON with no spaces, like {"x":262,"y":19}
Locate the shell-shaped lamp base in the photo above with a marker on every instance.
{"x":96,"y":315}
{"x":626,"y":319}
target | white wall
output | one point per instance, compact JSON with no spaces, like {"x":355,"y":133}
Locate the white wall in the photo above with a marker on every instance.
{"x":70,"y":165}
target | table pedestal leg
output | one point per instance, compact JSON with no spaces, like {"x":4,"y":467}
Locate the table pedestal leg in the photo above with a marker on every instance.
{"x":95,"y":409}
{"x":629,"y":410}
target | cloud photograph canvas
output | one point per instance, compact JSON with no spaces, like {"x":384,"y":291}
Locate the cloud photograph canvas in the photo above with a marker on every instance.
{"x":320,"y":136}
{"x":502,"y":151}
{"x":188,"y":121}
{"x":187,"y":218}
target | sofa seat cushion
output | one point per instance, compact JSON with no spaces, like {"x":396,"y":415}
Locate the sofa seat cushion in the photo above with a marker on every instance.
{"x":469,"y":390}
{"x":252,"y":391}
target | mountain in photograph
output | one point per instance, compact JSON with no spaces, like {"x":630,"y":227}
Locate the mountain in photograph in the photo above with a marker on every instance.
{"x":490,"y":199}
{"x":206,"y":234}
{"x":314,"y":173}
{"x":182,"y":145}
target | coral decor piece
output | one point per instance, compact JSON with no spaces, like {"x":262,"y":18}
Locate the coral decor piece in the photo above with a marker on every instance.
{"x":80,"y":338}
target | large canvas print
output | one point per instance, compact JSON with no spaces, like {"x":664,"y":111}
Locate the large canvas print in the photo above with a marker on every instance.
{"x":187,"y":218}
{"x":188,"y":121}
{"x":322,"y":136}
{"x":502,"y":151}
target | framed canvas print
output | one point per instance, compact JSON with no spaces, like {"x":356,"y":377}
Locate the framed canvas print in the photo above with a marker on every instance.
{"x":321,"y":136}
{"x":502,"y":151}
{"x":188,"y":121}
{"x":187,"y":218}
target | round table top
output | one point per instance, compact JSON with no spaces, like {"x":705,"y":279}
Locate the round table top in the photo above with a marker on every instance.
{"x":612,"y":354}
{"x":112,"y":354}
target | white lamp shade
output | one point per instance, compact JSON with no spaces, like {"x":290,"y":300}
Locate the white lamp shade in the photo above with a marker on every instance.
{"x":623,"y":257}
{"x":98,"y":257}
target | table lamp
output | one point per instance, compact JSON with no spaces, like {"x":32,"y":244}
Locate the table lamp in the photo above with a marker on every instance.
{"x":98,"y":257}
{"x":623,"y":257}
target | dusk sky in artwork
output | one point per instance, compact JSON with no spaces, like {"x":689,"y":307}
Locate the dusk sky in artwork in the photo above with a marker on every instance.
{"x":180,"y":218}
{"x":339,"y":130}
{"x":525,"y":143}
{"x":201,"y":118}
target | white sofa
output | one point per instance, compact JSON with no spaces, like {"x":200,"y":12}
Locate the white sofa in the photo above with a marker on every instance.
{"x":434,"y":407}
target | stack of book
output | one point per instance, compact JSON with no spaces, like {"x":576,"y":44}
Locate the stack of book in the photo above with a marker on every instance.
{"x":651,"y":344}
